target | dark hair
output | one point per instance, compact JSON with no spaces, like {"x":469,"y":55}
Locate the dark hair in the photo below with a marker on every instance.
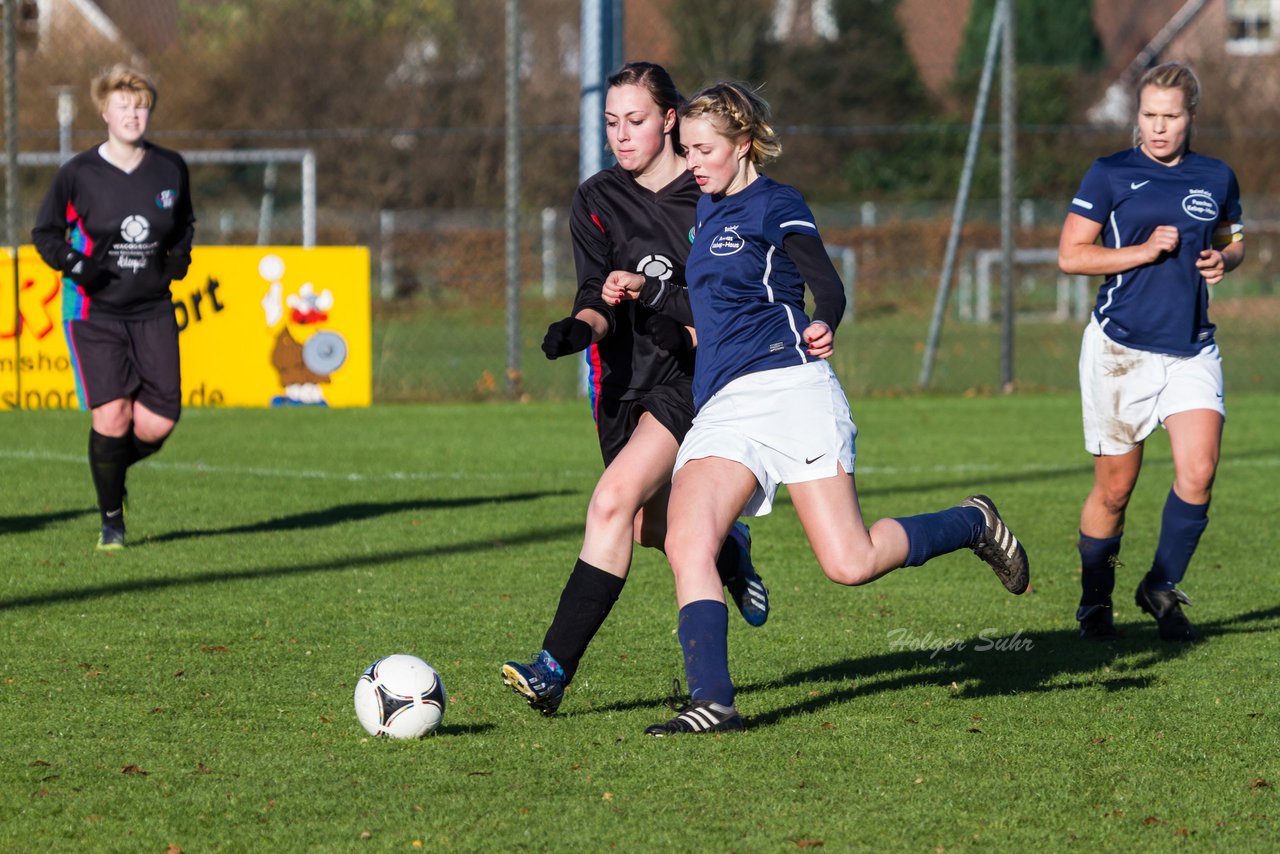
{"x":655,"y":80}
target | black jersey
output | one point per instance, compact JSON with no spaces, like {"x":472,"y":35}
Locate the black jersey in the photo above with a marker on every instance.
{"x":128,"y":223}
{"x":619,"y":225}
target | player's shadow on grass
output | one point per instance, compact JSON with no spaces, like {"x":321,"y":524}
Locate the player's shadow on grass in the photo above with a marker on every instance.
{"x":341,"y":514}
{"x":873,"y":485}
{"x":987,"y":664}
{"x":990,"y":665}
{"x":498,"y":542}
{"x":37,"y":521}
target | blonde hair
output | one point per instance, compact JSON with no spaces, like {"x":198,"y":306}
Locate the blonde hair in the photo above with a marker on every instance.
{"x":737,"y":112}
{"x":123,"y":78}
{"x":1170,"y":75}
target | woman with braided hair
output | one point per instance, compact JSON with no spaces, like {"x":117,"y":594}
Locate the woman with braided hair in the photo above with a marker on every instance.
{"x":769,"y":408}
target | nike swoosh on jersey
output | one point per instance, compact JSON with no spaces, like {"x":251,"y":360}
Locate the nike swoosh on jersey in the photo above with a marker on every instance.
{"x":1133,"y":185}
{"x":810,"y":462}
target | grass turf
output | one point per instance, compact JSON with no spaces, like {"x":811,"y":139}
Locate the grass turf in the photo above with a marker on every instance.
{"x":195,"y":690}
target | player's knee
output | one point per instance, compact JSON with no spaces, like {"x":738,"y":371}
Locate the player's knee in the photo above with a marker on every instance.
{"x":1115,"y":497}
{"x":850,"y":570}
{"x":610,"y":508}
{"x":1194,"y":483}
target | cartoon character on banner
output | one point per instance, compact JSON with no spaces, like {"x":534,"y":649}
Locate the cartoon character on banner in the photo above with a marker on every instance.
{"x":303,"y":367}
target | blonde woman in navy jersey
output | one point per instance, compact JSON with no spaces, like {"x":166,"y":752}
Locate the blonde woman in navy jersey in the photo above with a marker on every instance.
{"x":769,"y":408}
{"x":118,"y":224}
{"x":1161,"y":224}
{"x":634,"y":221}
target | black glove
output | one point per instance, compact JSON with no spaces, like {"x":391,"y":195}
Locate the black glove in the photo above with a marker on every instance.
{"x":80,"y":267}
{"x":669,"y":334}
{"x":566,"y":336}
{"x":176,"y":266}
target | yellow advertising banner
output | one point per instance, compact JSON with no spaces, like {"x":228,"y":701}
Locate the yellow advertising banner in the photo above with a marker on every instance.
{"x":260,"y":326}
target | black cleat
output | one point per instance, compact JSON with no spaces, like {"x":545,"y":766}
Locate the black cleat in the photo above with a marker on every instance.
{"x":111,"y":539}
{"x":1166,"y":607}
{"x":1096,"y":622}
{"x":999,"y":547}
{"x":699,"y":716}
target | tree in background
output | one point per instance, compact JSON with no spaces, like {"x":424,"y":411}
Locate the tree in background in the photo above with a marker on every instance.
{"x":1059,"y":56}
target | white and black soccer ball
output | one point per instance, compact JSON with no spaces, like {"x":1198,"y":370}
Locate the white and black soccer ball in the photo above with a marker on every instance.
{"x":400,"y":696}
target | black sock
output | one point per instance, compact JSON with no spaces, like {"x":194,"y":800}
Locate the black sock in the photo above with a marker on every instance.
{"x":140,"y":450}
{"x":585,"y":602}
{"x":108,"y":461}
{"x":727,"y":560}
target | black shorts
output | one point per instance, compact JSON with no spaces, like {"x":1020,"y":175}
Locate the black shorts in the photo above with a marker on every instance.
{"x":671,"y":404}
{"x":134,"y":359}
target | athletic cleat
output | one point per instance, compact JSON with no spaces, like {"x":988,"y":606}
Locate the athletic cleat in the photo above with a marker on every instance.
{"x":1096,"y":622}
{"x":1166,"y":607}
{"x":699,"y":716}
{"x":746,"y":587}
{"x":111,"y":539}
{"x":541,"y":681}
{"x":999,"y":547}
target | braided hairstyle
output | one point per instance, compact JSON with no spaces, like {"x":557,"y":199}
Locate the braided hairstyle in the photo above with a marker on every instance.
{"x":738,"y":112}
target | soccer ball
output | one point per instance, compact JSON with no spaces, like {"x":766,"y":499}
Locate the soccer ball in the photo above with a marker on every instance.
{"x":400,"y":696}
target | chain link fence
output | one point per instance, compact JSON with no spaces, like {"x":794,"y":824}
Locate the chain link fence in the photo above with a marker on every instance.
{"x":405,"y":132}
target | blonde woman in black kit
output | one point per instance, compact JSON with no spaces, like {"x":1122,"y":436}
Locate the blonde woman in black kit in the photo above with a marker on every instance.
{"x":118,"y":224}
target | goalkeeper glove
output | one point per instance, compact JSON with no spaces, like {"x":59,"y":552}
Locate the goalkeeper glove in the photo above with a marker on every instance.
{"x":566,"y":336}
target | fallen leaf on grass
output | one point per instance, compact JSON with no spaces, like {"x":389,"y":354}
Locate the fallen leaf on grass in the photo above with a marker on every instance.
{"x":809,"y":843}
{"x":93,"y":819}
{"x":204,"y":647}
{"x":40,"y":763}
{"x":1259,"y":783}
{"x":1150,"y":820}
{"x":201,"y":768}
{"x":173,"y":849}
{"x":134,"y":769}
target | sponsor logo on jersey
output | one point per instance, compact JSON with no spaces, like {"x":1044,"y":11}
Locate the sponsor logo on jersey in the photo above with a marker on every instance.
{"x":166,"y":199}
{"x":135,"y":228}
{"x":727,"y":242}
{"x":1199,"y":204}
{"x":656,"y":267}
{"x":1134,"y":185}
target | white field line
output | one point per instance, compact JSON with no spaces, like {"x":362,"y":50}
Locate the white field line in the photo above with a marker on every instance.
{"x":315,"y":474}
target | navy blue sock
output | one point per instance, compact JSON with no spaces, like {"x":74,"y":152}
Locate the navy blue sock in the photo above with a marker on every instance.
{"x":704,"y":637}
{"x":1181,"y":525}
{"x":933,"y":534}
{"x":1097,"y":568}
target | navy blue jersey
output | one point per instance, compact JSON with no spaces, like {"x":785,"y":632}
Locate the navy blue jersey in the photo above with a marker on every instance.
{"x":128,"y":222}
{"x":747,"y":294}
{"x":617,"y":224}
{"x":1164,"y":306}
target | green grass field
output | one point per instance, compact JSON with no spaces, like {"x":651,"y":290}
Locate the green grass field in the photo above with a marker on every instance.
{"x":194,"y":692}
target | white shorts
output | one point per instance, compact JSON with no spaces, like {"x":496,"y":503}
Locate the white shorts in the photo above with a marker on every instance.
{"x":1126,"y":393}
{"x":788,"y":425}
